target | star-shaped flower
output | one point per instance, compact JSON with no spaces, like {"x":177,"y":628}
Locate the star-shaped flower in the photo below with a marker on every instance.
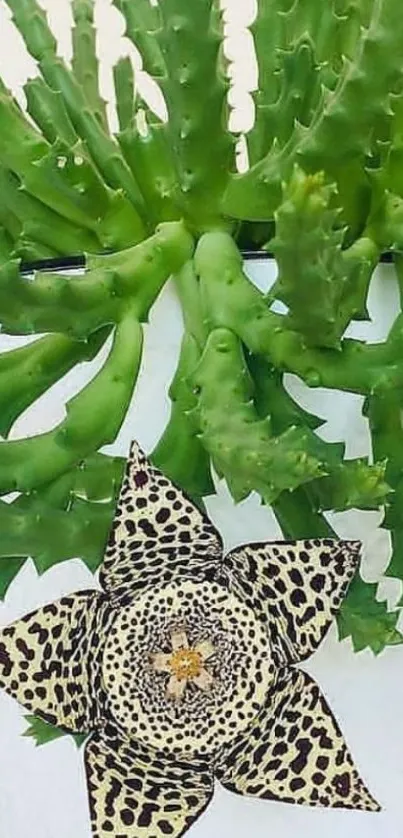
{"x":183,"y":669}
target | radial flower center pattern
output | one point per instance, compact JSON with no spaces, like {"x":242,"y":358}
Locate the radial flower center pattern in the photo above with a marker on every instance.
{"x":194,"y":653}
{"x":186,"y":664}
{"x":187,"y":667}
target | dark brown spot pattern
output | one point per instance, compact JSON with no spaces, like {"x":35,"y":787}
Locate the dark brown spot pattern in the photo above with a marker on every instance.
{"x":248,"y":766}
{"x":281,"y":582}
{"x":264,"y":730}
{"x":163,"y":537}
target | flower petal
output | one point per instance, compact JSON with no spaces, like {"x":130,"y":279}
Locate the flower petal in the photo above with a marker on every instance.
{"x":179,"y":640}
{"x":297,"y":586}
{"x":204,"y":681}
{"x":135,"y":792}
{"x":161,"y":662}
{"x":50,"y":660}
{"x":176,"y":688}
{"x":295,"y":752}
{"x":158,"y":533}
{"x":205,"y":649}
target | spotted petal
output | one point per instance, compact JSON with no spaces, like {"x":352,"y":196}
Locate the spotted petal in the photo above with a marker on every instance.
{"x":50,"y":660}
{"x":134,"y":792}
{"x":158,"y":533}
{"x":296,"y":586}
{"x":295,"y":752}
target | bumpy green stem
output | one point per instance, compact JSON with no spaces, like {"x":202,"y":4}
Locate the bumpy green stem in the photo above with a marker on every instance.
{"x":352,"y":485}
{"x":308,"y":252}
{"x":332,"y":137}
{"x":51,"y":536}
{"x":179,"y":452}
{"x":66,"y":505}
{"x":32,"y":23}
{"x":65,"y":179}
{"x":85,"y":61}
{"x":195,"y":94}
{"x":46,"y":108}
{"x":23,"y":150}
{"x":268,"y":32}
{"x":28,"y":372}
{"x":241,"y":446}
{"x":231,"y":301}
{"x":361,"y":617}
{"x":347,"y":485}
{"x":93,"y":419}
{"x":123,"y":76}
{"x":287,"y":35}
{"x":78,"y":305}
{"x":142,"y":23}
{"x":150,"y":158}
{"x":384,"y":415}
{"x":40,"y":223}
{"x":63,"y":176}
{"x":144,"y":269}
{"x":322,"y":285}
{"x":188,"y":289}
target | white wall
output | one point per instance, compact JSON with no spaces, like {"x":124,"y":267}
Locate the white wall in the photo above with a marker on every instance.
{"x":42,"y":791}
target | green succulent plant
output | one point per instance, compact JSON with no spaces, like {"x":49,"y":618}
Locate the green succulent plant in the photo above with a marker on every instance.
{"x":323,"y":192}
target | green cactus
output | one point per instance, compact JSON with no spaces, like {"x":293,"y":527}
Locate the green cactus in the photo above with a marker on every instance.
{"x":46,"y":107}
{"x":241,"y":446}
{"x":50,"y":536}
{"x":196,"y":96}
{"x":28,"y":372}
{"x":40,"y":223}
{"x":142,"y":24}
{"x":150,"y":157}
{"x":355,"y":367}
{"x":332,"y":137}
{"x":32,"y":23}
{"x":323,"y":285}
{"x":123,"y":76}
{"x":77,"y":306}
{"x":93,"y":419}
{"x":363,"y":618}
{"x":323,"y":192}
{"x":85,"y":61}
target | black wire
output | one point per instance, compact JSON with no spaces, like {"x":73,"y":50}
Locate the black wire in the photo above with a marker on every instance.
{"x":66,"y":263}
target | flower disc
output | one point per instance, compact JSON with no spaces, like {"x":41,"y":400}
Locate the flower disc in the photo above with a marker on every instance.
{"x":187,"y":667}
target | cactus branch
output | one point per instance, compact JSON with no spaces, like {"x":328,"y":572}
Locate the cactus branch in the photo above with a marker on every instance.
{"x":231,"y":301}
{"x":123,"y":76}
{"x":28,"y":372}
{"x":85,"y":61}
{"x":142,"y":24}
{"x":93,"y":419}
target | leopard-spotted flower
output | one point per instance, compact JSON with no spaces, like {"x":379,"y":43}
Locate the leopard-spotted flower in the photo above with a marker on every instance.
{"x":183,"y":668}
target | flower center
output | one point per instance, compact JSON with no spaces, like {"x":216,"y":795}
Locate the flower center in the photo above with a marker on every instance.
{"x":186,"y":663}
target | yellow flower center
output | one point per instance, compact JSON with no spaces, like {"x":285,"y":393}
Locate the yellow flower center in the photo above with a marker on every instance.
{"x":186,"y":663}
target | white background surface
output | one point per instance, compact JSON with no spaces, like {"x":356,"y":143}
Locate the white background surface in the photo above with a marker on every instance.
{"x":42,"y":791}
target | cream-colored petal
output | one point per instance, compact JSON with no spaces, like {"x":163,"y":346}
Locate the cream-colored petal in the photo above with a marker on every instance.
{"x":179,"y":640}
{"x":166,"y":801}
{"x":161,"y":662}
{"x":58,"y":647}
{"x":204,"y":681}
{"x":176,"y":687}
{"x":298,"y":731}
{"x":205,"y":649}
